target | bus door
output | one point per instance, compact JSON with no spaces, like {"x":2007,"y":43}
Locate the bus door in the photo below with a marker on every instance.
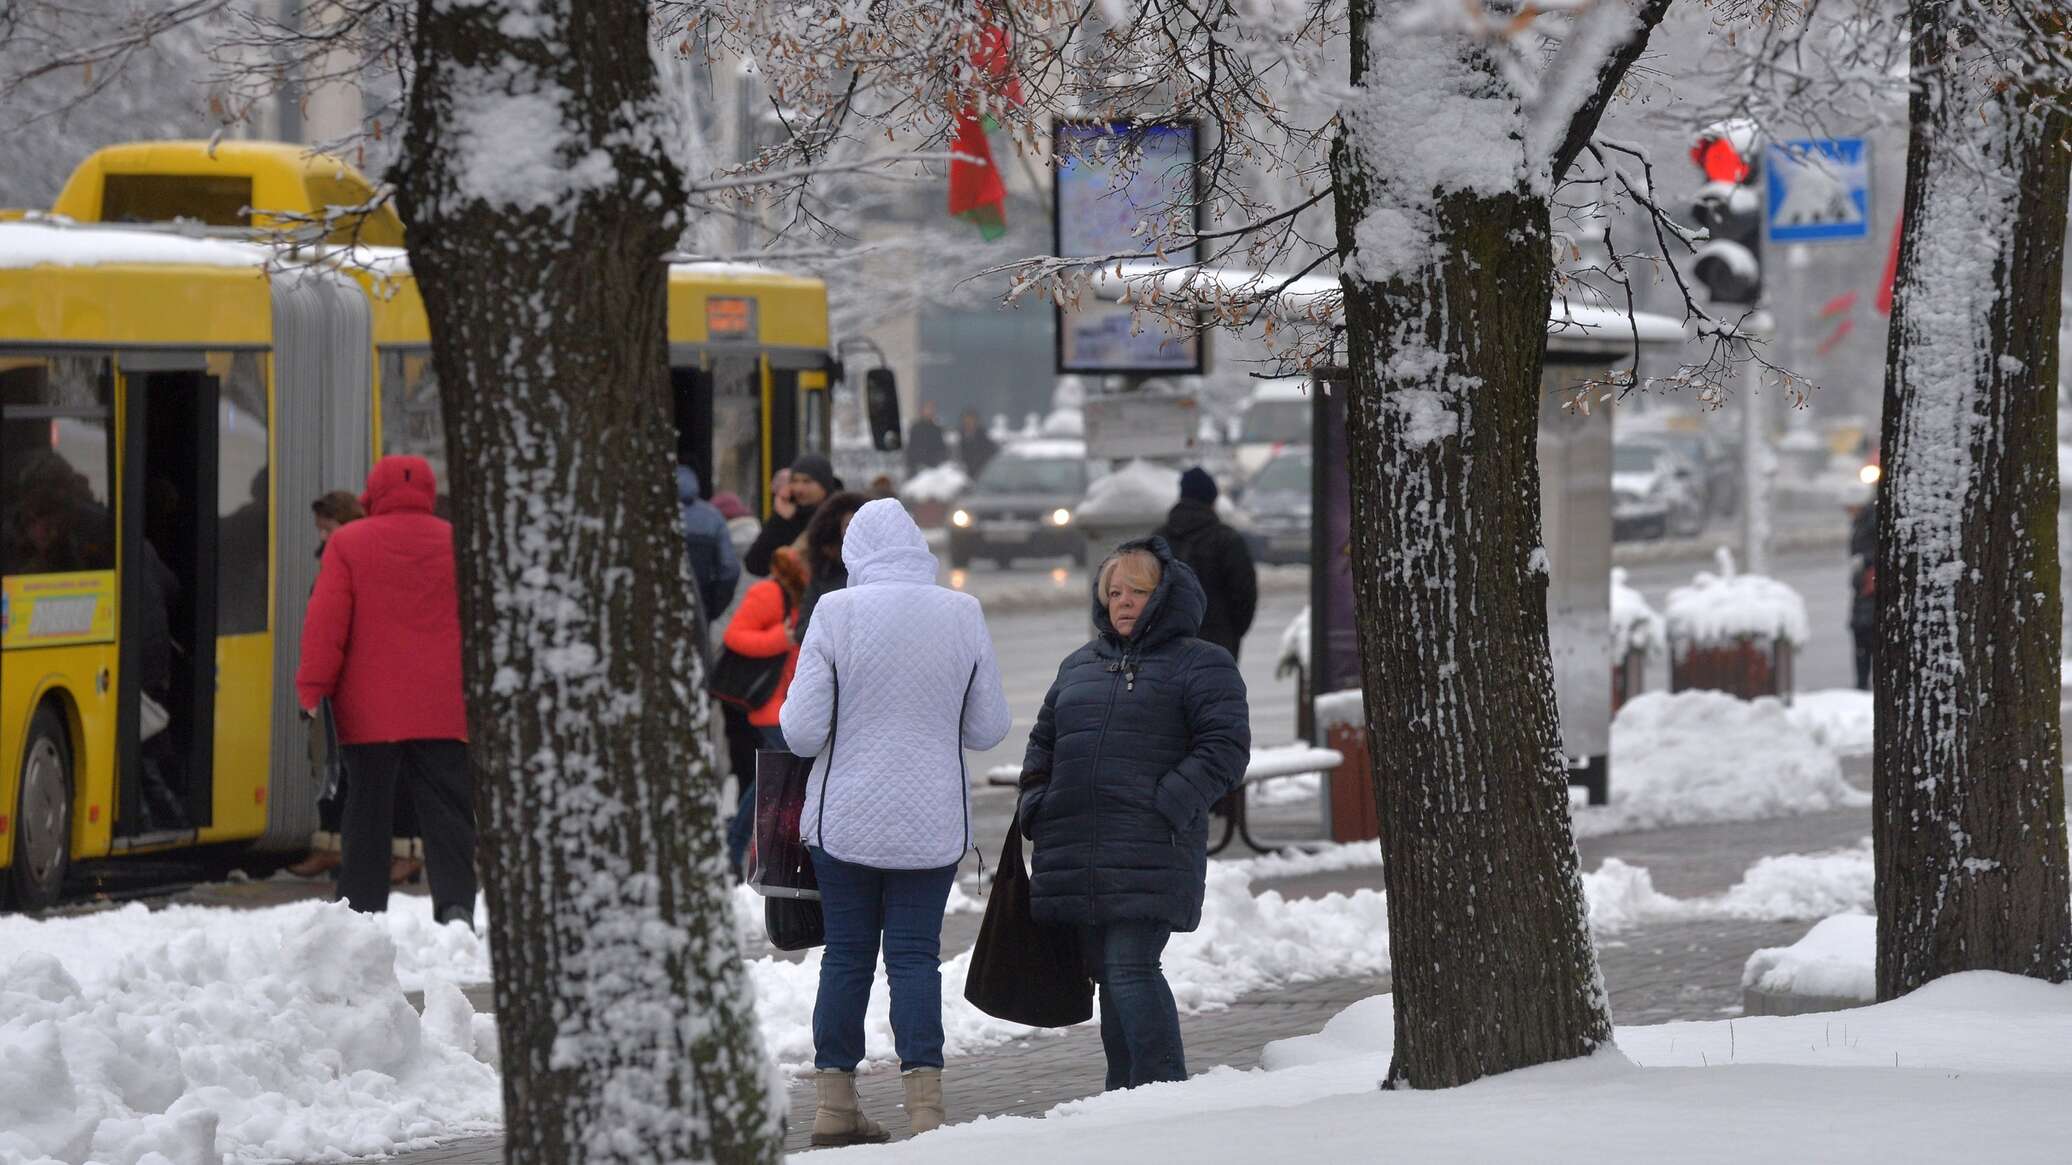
{"x":719,"y":406}
{"x":166,"y":692}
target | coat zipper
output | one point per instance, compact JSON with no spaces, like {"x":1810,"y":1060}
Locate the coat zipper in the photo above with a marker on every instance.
{"x":1094,"y":776}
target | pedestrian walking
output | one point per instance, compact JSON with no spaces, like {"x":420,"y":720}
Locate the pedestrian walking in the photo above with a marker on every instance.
{"x":765,"y":626}
{"x":808,"y":483}
{"x":975,"y":446}
{"x":925,"y":446}
{"x":742,"y":526}
{"x":821,"y":550}
{"x":1863,"y":589}
{"x":381,"y":641}
{"x":895,"y":680}
{"x":1143,"y":730}
{"x":714,"y":565}
{"x":1220,"y":558}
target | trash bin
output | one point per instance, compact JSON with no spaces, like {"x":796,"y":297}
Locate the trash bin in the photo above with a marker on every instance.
{"x":1734,"y":633}
{"x":1342,"y":718}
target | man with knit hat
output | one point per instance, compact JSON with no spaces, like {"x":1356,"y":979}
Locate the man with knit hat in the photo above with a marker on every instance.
{"x":1220,"y":558}
{"x":807,"y":484}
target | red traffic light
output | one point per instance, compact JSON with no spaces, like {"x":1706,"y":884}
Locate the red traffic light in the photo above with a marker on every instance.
{"x":1720,"y":160}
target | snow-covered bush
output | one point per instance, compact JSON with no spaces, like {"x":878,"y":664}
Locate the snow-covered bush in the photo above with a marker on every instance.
{"x":1139,"y":491}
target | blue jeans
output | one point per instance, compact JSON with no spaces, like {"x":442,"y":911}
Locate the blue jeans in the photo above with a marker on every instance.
{"x":1140,"y":1024}
{"x":864,"y":907}
{"x":743,"y":822}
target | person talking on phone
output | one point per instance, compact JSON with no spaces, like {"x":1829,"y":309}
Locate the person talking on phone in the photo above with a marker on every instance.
{"x":794,"y":500}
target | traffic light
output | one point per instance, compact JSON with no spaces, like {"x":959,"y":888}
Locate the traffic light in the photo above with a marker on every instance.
{"x":1730,"y":206}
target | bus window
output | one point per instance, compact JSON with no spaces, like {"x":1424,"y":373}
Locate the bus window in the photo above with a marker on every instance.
{"x":410,"y":418}
{"x":378,"y":227}
{"x":218,"y":201}
{"x":56,"y":463}
{"x":737,"y":428}
{"x":243,"y":553}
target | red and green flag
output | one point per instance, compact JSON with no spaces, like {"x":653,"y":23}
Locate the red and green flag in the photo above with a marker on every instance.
{"x":977,"y":195}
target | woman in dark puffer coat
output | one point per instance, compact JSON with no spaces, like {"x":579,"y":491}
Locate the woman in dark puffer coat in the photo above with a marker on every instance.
{"x":1144,"y":729}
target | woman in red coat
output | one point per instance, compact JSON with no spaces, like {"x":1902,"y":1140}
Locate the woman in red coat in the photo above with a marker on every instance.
{"x":381,"y":640}
{"x":765,"y":624}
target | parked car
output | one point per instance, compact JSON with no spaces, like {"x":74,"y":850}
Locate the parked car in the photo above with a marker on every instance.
{"x":1715,"y":456}
{"x":1277,"y":416}
{"x":1022,"y":505}
{"x":1276,"y":506}
{"x":1654,"y":493}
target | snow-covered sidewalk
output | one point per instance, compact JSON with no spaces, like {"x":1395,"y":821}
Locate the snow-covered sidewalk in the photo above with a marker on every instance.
{"x":1872,"y":1085}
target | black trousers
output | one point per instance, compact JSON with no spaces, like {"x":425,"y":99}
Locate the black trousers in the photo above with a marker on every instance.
{"x":433,"y":776}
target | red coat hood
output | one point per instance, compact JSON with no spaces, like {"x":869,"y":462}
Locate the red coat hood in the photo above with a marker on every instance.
{"x":400,"y":483}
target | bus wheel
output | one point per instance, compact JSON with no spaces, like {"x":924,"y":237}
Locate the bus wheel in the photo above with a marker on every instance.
{"x":42,"y":815}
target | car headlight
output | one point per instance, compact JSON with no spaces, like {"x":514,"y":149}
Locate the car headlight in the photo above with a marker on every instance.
{"x":1869,"y":474}
{"x":961,"y":519}
{"x":1061,"y":517}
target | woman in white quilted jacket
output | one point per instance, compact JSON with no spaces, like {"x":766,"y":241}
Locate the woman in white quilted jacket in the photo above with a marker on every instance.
{"x":895,"y":680}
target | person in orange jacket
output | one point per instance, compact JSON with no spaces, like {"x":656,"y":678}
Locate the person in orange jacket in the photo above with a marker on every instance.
{"x":765,"y":624}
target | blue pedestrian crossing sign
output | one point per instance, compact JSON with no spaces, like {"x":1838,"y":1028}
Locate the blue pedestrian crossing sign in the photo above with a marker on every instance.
{"x":1819,"y":190}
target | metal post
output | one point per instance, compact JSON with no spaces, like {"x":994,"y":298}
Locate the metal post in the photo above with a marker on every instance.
{"x":1756,"y":466}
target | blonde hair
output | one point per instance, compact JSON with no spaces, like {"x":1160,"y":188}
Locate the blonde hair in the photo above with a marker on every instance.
{"x":1138,"y":568}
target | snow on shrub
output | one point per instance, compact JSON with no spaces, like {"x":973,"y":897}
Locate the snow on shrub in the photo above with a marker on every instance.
{"x":1839,"y":719}
{"x":1137,"y":491}
{"x":1692,"y":757}
{"x":1725,"y":609}
{"x":940,"y":484}
{"x":1635,"y":625}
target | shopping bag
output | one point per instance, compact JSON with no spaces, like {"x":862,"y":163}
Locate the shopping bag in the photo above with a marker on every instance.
{"x":1022,"y":970}
{"x":745,"y":681}
{"x":777,"y":864}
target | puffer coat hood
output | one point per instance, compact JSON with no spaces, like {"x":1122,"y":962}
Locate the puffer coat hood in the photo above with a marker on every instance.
{"x":1136,"y":740}
{"x":896,"y":677}
{"x":1176,"y":608}
{"x":884,"y":545}
{"x":399,"y":483}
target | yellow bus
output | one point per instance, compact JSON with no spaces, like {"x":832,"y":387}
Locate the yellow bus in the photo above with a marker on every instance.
{"x":149,"y":635}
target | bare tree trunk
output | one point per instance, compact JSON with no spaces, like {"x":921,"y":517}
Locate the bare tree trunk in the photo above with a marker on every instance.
{"x":1970,"y":797}
{"x":1494,"y":967}
{"x":540,"y":203}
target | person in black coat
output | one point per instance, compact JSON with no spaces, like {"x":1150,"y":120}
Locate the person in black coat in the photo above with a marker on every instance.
{"x":1863,"y":588}
{"x":807,"y":483}
{"x":975,"y":447}
{"x":926,"y":446}
{"x":1144,"y":729}
{"x":1220,"y":559}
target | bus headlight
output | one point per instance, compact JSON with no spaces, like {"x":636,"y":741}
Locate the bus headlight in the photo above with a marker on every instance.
{"x":961,"y":519}
{"x":1061,"y":517}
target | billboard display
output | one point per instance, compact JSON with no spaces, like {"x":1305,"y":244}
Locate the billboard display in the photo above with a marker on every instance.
{"x":1120,"y":188}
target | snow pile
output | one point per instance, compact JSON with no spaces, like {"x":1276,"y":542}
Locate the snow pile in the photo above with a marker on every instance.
{"x":1721,"y":610}
{"x":1839,"y":718}
{"x":1836,"y":960}
{"x":91,"y":947}
{"x":1246,"y":943}
{"x":1785,"y":886}
{"x":1064,"y":422}
{"x":1693,"y":757}
{"x":1635,"y":625}
{"x":940,"y":484}
{"x":1875,"y":1085}
{"x":1295,"y":643}
{"x":256,"y":1042}
{"x":1139,"y":491}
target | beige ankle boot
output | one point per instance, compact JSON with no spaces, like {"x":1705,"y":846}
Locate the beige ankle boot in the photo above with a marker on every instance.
{"x":838,"y":1120}
{"x":923,"y":1098}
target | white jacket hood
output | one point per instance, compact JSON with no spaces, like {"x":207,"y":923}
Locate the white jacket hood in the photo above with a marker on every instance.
{"x":884,"y":545}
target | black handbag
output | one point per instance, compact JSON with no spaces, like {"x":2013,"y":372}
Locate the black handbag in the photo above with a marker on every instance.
{"x":794,"y":924}
{"x":1022,"y":970}
{"x":747,"y":681}
{"x":325,"y":755}
{"x":780,"y":869}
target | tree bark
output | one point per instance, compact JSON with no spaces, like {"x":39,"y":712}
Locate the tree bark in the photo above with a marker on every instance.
{"x":1969,"y":797}
{"x":1494,"y":967}
{"x":540,"y":203}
